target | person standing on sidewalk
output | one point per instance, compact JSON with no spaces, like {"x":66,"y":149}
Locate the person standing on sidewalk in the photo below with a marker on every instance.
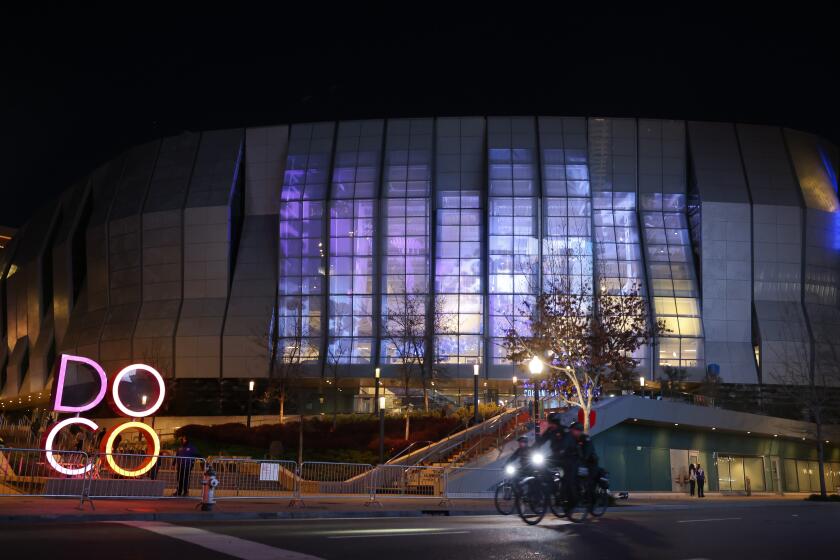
{"x":692,"y":478}
{"x":184,"y":460}
{"x":701,"y":481}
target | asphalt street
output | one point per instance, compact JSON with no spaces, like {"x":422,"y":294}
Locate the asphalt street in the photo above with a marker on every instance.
{"x":739,"y":532}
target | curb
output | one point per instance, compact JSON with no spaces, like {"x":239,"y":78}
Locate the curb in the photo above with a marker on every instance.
{"x":235,"y":516}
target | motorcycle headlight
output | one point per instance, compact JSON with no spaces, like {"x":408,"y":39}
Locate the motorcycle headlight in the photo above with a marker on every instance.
{"x":538,"y":458}
{"x":510,"y":469}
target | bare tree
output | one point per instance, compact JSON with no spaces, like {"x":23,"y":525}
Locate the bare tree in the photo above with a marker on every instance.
{"x":803,"y":373}
{"x":405,"y":332}
{"x":585,"y":337}
{"x":288,"y":350}
{"x":336,"y":356}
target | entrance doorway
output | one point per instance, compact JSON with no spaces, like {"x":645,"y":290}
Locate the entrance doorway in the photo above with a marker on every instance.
{"x":776,"y":474}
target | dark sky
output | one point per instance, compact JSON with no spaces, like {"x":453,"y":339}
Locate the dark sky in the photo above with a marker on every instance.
{"x":78,"y":87}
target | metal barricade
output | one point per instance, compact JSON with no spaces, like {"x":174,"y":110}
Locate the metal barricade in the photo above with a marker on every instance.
{"x":37,"y":472}
{"x":416,"y":481}
{"x":335,"y":480}
{"x":126,"y":475}
{"x":466,"y":482}
{"x":255,"y":478}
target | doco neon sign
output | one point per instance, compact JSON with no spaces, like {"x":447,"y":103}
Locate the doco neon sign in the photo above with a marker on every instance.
{"x":152,"y":440}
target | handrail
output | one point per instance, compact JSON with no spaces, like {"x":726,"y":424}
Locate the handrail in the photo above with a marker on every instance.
{"x":498,"y":418}
{"x":407,"y":448}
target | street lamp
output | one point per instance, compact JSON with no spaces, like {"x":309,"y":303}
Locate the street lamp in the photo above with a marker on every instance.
{"x":514,"y":390}
{"x":475,"y":393}
{"x":143,"y":400}
{"x":642,"y":384}
{"x":535,"y":366}
{"x":250,"y":394}
{"x":376,"y":390}
{"x":381,"y":407}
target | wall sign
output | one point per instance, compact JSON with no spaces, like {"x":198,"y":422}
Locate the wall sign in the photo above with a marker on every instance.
{"x":150,"y":437}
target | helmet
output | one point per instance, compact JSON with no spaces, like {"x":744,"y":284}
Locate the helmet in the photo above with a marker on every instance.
{"x":522,"y":439}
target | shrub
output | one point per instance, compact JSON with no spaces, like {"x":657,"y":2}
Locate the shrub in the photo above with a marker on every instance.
{"x":358,"y":433}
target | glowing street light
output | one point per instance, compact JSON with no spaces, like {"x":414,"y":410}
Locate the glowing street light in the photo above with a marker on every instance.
{"x":476,"y":372}
{"x":381,"y":405}
{"x":535,"y":366}
{"x":376,"y":399}
{"x":250,"y":395}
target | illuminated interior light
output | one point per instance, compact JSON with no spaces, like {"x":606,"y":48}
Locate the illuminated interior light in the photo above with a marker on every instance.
{"x":51,"y":437}
{"x":115,"y":393}
{"x":152,"y":449}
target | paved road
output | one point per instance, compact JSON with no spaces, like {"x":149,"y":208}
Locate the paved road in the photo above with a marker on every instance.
{"x":739,"y":532}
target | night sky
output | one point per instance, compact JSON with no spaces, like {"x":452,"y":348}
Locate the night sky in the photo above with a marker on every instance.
{"x":78,"y":87}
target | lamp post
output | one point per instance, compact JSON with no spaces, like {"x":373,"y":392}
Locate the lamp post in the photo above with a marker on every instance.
{"x":642,"y":384}
{"x":535,"y":366}
{"x":475,"y":393}
{"x":376,"y":391}
{"x":381,"y":407}
{"x":250,"y":394}
{"x":514,"y":390}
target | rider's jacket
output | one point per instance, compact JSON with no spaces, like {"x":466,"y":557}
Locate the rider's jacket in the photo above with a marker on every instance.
{"x":518,"y":456}
{"x":587,"y":452}
{"x":564,"y":447}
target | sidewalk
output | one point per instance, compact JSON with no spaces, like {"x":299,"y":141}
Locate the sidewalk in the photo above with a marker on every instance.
{"x":33,"y":510}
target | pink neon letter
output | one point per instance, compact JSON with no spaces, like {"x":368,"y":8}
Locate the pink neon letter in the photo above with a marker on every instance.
{"x":59,"y":384}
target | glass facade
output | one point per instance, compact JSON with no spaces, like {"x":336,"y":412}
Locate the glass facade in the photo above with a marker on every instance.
{"x":302,"y":263}
{"x":458,"y":247}
{"x":406,"y":222}
{"x":354,"y":199}
{"x":513,"y":232}
{"x":567,"y":205}
{"x":676,"y":298}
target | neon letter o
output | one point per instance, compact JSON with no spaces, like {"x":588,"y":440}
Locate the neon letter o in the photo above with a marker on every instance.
{"x":51,"y":437}
{"x":155,"y":451}
{"x":115,"y":393}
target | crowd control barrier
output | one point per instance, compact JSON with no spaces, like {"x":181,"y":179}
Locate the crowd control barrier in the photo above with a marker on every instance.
{"x":75,"y":474}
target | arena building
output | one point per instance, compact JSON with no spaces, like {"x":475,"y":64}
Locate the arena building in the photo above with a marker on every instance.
{"x":217,"y":255}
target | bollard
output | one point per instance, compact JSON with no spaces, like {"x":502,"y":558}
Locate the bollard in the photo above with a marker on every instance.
{"x":208,"y":489}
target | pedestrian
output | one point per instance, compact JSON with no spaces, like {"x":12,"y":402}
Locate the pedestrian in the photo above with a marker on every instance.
{"x":100,"y":435}
{"x":80,"y":441}
{"x":692,"y":478}
{"x":701,"y":481}
{"x":184,"y":459}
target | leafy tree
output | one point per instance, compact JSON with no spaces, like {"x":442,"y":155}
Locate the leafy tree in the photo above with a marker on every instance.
{"x":584,"y":339}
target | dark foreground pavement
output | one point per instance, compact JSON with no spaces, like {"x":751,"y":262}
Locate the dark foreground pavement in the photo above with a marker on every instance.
{"x":780,"y":530}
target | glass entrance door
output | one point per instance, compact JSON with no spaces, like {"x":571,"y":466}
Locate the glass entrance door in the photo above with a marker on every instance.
{"x":733,"y":473}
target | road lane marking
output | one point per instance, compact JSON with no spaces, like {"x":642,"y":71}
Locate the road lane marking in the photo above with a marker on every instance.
{"x":413,"y":534}
{"x":710,"y":519}
{"x":226,"y":544}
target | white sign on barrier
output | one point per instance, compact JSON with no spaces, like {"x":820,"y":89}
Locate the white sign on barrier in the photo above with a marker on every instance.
{"x":269,"y":472}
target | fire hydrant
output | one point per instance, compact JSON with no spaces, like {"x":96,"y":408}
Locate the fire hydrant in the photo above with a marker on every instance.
{"x":208,"y":489}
